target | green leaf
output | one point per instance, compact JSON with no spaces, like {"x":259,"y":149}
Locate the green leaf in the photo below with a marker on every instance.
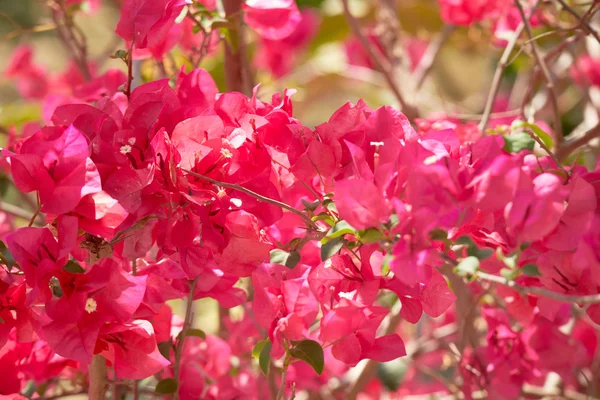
{"x":331,"y":247}
{"x":264,"y":358}
{"x":517,"y":142}
{"x":29,"y":389}
{"x":262,"y":351}
{"x":258,"y":347}
{"x":339,"y":229}
{"x":196,"y":332}
{"x":282,"y":257}
{"x":165,"y":349}
{"x":6,"y":256}
{"x":166,"y":386}
{"x":372,"y":235}
{"x":73,"y":267}
{"x":509,"y":274}
{"x":311,"y":352}
{"x":530,"y":270}
{"x":467,"y":267}
{"x":539,"y":132}
{"x":311,"y":206}
{"x":439,"y":234}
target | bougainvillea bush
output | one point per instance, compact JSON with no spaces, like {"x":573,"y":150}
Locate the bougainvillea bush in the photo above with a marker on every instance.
{"x":408,"y":250}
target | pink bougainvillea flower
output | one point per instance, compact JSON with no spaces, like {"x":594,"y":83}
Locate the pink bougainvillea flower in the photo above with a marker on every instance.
{"x":131,"y":349}
{"x":272,"y":19}
{"x":351,"y":328}
{"x":147,"y":22}
{"x":55,"y":161}
{"x":32,"y":79}
{"x":360,"y":203}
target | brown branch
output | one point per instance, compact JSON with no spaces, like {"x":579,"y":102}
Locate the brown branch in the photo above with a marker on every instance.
{"x":379,"y":62}
{"x":552,"y":155}
{"x":97,"y":389}
{"x":550,"y":85}
{"x":566,"y":394}
{"x":187,"y":322}
{"x":237,"y":75}
{"x":583,"y":19}
{"x":431,"y":53}
{"x":502,"y":64}
{"x":71,"y":36}
{"x":257,"y":196}
{"x":583,"y":300}
{"x":569,"y":146}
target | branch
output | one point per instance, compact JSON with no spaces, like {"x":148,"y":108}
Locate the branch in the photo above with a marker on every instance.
{"x":583,"y":300}
{"x":572,"y":145}
{"x":430,"y":55}
{"x":546,"y":71}
{"x":502,"y":64}
{"x":257,"y":196}
{"x":552,"y":156}
{"x":286,"y":364}
{"x":98,"y":382}
{"x":237,"y":75}
{"x":378,"y":61}
{"x":582,"y":19}
{"x":187,"y":322}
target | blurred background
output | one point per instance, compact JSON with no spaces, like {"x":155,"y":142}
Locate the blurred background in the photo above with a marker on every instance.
{"x":322,"y":75}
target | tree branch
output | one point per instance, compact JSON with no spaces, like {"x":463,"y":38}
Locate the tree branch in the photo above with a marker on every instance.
{"x":583,"y":300}
{"x":257,"y":196}
{"x":187,"y":322}
{"x":237,"y":75}
{"x":379,"y":62}
{"x":97,"y":373}
{"x":546,"y":71}
{"x":502,"y":64}
{"x":430,"y":55}
{"x":568,"y":147}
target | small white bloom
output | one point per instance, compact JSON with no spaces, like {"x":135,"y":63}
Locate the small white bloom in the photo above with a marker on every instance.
{"x":376,"y":143}
{"x":91,"y":305}
{"x":226,"y":153}
{"x":131,"y":141}
{"x":125,"y":149}
{"x":221,"y":193}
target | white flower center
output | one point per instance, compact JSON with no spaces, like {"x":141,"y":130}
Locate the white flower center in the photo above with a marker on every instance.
{"x":91,"y":305}
{"x":226,"y":153}
{"x":125,"y":149}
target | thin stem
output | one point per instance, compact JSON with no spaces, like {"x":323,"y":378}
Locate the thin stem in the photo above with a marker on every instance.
{"x":37,"y":211}
{"x":286,"y":364}
{"x":502,"y":64}
{"x":129,"y":70}
{"x":582,"y":19}
{"x":547,"y":74}
{"x":187,"y":322}
{"x":257,"y":196}
{"x":378,"y":61}
{"x":552,"y":155}
{"x":583,"y":300}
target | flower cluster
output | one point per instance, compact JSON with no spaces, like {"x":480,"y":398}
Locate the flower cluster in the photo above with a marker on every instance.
{"x":175,"y":190}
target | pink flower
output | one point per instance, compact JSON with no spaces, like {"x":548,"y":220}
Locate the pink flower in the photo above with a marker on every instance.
{"x":148,"y":22}
{"x":272,"y":19}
